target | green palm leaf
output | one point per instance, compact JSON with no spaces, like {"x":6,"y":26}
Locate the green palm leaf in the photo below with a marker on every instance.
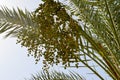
{"x":100,"y":21}
{"x":55,"y":75}
{"x":14,"y":20}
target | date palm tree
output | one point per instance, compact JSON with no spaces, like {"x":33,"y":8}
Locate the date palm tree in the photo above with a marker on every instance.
{"x":89,"y":31}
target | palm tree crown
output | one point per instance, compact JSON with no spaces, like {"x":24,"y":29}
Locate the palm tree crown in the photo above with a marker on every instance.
{"x":94,"y":34}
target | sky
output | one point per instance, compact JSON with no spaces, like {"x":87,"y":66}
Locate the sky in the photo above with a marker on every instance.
{"x":14,"y":62}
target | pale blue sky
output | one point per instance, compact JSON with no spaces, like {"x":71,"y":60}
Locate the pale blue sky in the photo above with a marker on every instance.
{"x":14,"y":62}
{"x":28,"y":4}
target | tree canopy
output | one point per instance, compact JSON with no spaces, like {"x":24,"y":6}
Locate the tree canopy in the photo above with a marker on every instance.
{"x":78,"y":32}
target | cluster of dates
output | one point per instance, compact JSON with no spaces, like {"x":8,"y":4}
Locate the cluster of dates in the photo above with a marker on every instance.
{"x":55,"y":36}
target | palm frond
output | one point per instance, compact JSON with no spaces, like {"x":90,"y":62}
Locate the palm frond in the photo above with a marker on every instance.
{"x":14,"y":20}
{"x":101,"y":30}
{"x":55,"y":75}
